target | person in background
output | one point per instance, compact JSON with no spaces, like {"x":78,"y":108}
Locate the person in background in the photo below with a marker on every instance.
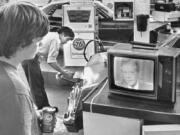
{"x":48,"y":50}
{"x":22,"y":26}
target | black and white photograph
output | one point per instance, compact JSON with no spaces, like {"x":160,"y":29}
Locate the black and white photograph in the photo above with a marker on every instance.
{"x":89,"y":67}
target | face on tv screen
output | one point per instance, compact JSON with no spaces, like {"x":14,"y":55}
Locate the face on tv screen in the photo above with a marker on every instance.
{"x":134,"y":74}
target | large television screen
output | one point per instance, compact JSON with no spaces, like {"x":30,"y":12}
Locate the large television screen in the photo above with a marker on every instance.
{"x":134,"y":74}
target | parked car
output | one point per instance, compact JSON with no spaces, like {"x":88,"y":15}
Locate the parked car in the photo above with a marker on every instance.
{"x":110,"y":31}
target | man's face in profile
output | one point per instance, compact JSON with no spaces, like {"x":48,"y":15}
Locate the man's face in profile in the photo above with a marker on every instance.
{"x":130,"y":74}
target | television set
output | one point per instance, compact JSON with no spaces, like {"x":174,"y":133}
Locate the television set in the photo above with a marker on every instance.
{"x":123,"y":10}
{"x":143,"y":73}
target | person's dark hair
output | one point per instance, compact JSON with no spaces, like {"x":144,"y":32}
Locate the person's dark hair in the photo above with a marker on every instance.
{"x":54,"y":29}
{"x":68,"y":32}
{"x":20,"y":23}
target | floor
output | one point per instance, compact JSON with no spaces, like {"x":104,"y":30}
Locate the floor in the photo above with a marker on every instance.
{"x":58,"y":97}
{"x":57,"y":92}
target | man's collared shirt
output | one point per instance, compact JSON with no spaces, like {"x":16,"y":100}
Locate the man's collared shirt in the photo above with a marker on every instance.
{"x":49,"y":47}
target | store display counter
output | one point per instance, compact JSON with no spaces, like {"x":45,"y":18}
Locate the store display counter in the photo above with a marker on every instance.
{"x":123,"y":115}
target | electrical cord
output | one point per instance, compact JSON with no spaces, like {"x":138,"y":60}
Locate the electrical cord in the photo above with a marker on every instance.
{"x":85,"y":48}
{"x":92,"y":100}
{"x":100,"y":45}
{"x":100,"y":42}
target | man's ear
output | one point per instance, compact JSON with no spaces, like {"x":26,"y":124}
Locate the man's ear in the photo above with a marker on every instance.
{"x":62,"y":34}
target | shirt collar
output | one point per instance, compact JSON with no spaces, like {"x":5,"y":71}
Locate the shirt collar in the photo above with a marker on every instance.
{"x":135,"y":86}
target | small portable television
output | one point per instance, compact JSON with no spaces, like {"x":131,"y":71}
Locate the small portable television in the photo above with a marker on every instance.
{"x":123,"y":10}
{"x":143,"y":73}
